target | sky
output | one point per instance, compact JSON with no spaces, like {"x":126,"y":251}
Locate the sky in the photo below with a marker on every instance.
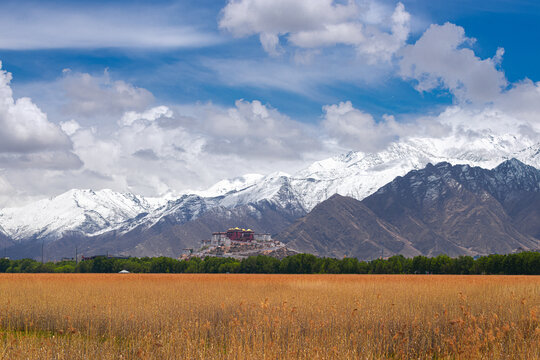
{"x":162,"y":97}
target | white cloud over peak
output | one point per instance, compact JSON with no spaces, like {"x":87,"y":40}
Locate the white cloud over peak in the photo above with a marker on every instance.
{"x":266,"y":132}
{"x":523,"y":100}
{"x":355,"y":129}
{"x":320,"y":23}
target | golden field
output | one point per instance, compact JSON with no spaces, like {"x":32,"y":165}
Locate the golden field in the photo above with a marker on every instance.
{"x":112,"y":316}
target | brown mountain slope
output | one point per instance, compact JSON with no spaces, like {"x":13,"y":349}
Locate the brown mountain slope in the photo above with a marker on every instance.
{"x":524,"y":208}
{"x":342,"y":226}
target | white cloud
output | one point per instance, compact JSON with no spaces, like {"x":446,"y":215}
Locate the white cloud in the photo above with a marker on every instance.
{"x":439,"y":59}
{"x":70,"y":127}
{"x":320,"y":23}
{"x":345,"y":33}
{"x":485,"y":99}
{"x":270,"y":43}
{"x":247,"y":17}
{"x":6,"y":191}
{"x":355,"y":129}
{"x":149,"y":115}
{"x":24,"y":128}
{"x":380,"y":45}
{"x":523,"y":100}
{"x":90,"y":96}
{"x":167,"y":150}
{"x":266,"y":132}
{"x":51,"y":27}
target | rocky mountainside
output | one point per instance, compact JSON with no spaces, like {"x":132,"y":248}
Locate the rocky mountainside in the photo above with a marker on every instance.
{"x":343,"y":226}
{"x":455,"y":210}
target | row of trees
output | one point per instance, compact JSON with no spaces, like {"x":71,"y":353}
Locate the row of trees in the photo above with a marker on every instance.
{"x":526,"y":263}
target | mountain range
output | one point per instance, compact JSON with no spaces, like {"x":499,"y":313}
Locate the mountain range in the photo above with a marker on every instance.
{"x":97,"y":222}
{"x":441,"y":209}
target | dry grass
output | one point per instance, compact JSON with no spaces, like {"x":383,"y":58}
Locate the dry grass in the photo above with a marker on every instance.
{"x":268,"y":317}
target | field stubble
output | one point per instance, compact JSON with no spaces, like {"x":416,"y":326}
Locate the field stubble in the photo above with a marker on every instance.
{"x":111,"y":316}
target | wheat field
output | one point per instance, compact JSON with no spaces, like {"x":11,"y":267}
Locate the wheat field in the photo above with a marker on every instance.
{"x":197,"y":316}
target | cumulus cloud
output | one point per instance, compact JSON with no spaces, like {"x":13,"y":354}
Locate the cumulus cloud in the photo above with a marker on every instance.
{"x":149,"y":115}
{"x":24,"y":128}
{"x":70,"y":127}
{"x":247,"y":17}
{"x":484,"y":99}
{"x":441,"y":59}
{"x":90,"y":96}
{"x":356,"y":129}
{"x":319,"y":23}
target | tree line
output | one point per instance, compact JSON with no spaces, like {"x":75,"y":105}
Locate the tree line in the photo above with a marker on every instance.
{"x":524,"y":263}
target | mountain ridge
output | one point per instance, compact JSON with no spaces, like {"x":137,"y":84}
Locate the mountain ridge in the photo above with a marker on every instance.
{"x":442,"y":208}
{"x":353,"y":174}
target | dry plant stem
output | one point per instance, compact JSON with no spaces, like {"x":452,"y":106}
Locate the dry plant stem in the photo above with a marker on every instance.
{"x":48,"y":316}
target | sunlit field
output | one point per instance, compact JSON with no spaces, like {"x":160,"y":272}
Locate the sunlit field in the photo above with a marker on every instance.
{"x":46,"y":316}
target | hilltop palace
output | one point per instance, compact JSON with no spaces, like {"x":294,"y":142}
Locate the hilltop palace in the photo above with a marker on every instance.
{"x":236,"y":235}
{"x":240,"y":243}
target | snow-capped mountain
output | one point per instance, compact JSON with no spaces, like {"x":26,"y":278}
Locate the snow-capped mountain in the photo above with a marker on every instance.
{"x":358,"y":174}
{"x":85,"y":211}
{"x":225,"y":186}
{"x":355,"y":174}
{"x":274,"y":189}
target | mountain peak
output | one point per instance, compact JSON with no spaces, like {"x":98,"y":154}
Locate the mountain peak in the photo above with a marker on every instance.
{"x":513,"y":163}
{"x":85,"y":210}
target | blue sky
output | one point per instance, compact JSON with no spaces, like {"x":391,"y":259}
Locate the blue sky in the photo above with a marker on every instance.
{"x":186,"y":79}
{"x":179,"y":75}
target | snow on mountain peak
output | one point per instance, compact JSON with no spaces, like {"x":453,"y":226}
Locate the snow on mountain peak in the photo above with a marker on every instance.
{"x":225,"y":186}
{"x":266,"y":188}
{"x":358,"y":174}
{"x":86,"y":211}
